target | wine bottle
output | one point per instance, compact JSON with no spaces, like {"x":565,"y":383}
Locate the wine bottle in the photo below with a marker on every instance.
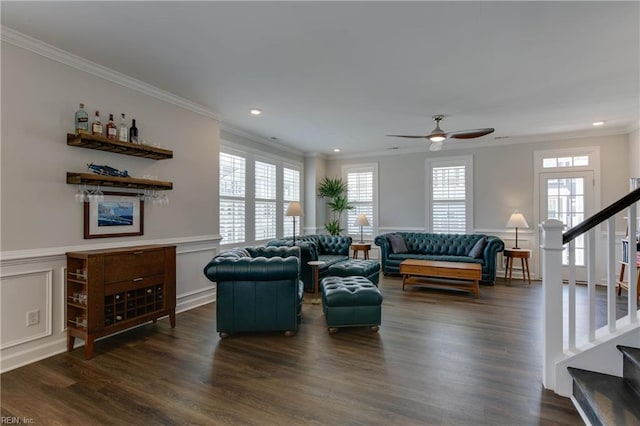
{"x":123,"y":130}
{"x":133,"y":132}
{"x":112,"y":131}
{"x":96,"y":126}
{"x":82,"y":120}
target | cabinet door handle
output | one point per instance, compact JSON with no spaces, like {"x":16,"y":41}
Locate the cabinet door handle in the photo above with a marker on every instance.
{"x":137,"y":279}
{"x":138,"y":252}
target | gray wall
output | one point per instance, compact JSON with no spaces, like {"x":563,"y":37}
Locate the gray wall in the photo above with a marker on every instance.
{"x":40,"y":218}
{"x":39,"y":99}
{"x":503,"y":180}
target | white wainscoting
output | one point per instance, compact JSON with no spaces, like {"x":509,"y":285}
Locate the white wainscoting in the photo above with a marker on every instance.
{"x":35,"y":280}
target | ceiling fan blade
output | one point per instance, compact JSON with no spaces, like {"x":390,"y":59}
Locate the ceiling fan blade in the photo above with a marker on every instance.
{"x":470,"y":134}
{"x":407,"y":136}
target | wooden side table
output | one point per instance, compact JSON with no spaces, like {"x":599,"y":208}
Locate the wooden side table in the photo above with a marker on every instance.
{"x":315,"y":264}
{"x":364,"y":247}
{"x":523,"y":255}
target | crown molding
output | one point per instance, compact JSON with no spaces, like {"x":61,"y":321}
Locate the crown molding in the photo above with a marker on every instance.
{"x":41,"y":48}
{"x":226,"y":127}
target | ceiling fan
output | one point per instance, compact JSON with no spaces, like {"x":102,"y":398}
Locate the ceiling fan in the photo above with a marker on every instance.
{"x":437,"y":135}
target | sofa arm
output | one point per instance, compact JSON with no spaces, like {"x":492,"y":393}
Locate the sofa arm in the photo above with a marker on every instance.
{"x":252,"y":269}
{"x":385,"y":250}
{"x":494,"y":246}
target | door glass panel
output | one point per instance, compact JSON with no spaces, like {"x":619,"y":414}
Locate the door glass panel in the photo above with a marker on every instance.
{"x":565,"y":202}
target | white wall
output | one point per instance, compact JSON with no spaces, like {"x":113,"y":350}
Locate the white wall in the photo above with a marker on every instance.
{"x":503,"y":182}
{"x":40,"y":219}
{"x":634,"y":153}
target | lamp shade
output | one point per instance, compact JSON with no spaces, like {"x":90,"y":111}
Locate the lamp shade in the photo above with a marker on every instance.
{"x":517,"y":220}
{"x":361,"y":220}
{"x":294,"y":209}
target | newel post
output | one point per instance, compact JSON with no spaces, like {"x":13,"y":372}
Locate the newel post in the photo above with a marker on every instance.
{"x":552,"y":299}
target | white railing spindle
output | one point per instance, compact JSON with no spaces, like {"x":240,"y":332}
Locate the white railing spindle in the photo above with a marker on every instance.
{"x":611,"y":273}
{"x":591,"y":282}
{"x":632,"y":266}
{"x":572,"y":295}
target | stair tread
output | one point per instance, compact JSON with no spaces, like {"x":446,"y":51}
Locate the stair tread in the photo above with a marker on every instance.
{"x":633,"y":354}
{"x":612,"y":399}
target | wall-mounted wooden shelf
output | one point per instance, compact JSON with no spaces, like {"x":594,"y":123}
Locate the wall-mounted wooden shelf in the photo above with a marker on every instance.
{"x":120,"y":182}
{"x":103,"y":144}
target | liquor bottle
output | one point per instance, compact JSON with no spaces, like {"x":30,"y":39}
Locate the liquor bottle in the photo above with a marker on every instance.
{"x":123,"y":130}
{"x":112,"y":131}
{"x":96,"y":126}
{"x":133,"y":132}
{"x":82,"y":120}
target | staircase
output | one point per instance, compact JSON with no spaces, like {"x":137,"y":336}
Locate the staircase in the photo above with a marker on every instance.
{"x":610,"y":400}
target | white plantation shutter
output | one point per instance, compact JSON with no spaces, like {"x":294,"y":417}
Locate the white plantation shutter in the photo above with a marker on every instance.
{"x":450,"y":204}
{"x":232,"y":198}
{"x":362,"y":195}
{"x":232,"y":221}
{"x":265,"y":208}
{"x":449,"y":200}
{"x":291,"y":192}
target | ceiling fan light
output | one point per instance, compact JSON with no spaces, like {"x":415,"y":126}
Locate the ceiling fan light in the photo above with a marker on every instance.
{"x":435,"y":146}
{"x":436,"y":138}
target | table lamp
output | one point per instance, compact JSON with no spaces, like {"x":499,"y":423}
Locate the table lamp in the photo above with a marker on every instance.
{"x":361,"y":220}
{"x":294,"y":209}
{"x":517,"y":220}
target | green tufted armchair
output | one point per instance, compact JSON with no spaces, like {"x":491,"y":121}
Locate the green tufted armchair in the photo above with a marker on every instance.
{"x":258,"y":289}
{"x":331,"y":249}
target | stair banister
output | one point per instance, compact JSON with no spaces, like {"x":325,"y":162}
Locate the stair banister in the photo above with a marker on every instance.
{"x":553,"y":243}
{"x":601,"y":216}
{"x":551,"y":250}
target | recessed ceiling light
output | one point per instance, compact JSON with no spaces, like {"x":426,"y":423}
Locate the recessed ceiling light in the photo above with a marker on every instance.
{"x":598,"y":123}
{"x":255,"y":111}
{"x":336,"y":149}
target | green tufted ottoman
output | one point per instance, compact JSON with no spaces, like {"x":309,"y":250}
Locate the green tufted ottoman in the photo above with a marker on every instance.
{"x":351,"y":302}
{"x":369,"y":269}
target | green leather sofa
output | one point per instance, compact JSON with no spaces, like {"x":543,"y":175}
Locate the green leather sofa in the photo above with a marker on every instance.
{"x":258,"y":289}
{"x":444,"y":247}
{"x":330,"y":249}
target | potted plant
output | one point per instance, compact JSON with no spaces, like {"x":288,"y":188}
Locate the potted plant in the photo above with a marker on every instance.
{"x":335,"y":189}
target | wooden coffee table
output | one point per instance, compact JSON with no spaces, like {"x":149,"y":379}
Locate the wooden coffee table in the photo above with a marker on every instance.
{"x":469,"y":274}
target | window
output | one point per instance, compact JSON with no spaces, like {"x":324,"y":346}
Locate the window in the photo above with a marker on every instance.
{"x":362,"y":194}
{"x":255,"y":190}
{"x":290,"y":192}
{"x":232,"y":198}
{"x":568,"y":161}
{"x":265,"y":207}
{"x":450,"y":201}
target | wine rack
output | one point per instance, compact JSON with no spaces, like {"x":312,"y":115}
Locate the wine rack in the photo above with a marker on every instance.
{"x":115,"y":289}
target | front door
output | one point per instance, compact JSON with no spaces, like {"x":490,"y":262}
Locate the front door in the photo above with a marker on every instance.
{"x":568,"y":197}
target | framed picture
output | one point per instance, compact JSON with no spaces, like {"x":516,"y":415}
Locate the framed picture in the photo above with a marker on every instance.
{"x":119,"y":214}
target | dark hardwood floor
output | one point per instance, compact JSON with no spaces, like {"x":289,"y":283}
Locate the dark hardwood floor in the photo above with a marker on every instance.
{"x":440,"y":358}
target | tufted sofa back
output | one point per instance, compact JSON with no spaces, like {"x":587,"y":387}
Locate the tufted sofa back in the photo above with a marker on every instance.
{"x":440,"y":244}
{"x":334,"y":245}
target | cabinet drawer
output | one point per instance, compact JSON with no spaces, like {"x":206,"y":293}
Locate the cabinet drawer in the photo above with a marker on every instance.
{"x":134,"y":284}
{"x":134,"y":264}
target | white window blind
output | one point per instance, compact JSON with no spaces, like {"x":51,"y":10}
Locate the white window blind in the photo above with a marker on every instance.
{"x":232,"y":221}
{"x":360,"y":195}
{"x":232,"y":198}
{"x":265,"y":208}
{"x":449,"y":203}
{"x":291,"y":192}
